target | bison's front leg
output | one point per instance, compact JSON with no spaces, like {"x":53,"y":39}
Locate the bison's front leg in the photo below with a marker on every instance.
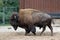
{"x":30,"y":28}
{"x":27,"y":31}
{"x":33,"y":30}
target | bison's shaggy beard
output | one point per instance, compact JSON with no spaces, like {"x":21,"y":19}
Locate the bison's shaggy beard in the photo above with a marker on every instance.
{"x":14,"y":24}
{"x":14,"y":21}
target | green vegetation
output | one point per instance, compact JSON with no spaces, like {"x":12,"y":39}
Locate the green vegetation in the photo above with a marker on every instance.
{"x":5,"y":25}
{"x":6,"y":9}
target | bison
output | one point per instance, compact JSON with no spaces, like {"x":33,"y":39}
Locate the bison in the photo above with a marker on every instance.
{"x":29,"y":19}
{"x":16,"y":23}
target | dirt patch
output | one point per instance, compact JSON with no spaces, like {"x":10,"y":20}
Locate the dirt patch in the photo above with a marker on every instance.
{"x":21,"y":36}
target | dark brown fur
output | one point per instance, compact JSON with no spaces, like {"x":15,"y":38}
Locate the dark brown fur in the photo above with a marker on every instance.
{"x":33,"y":17}
{"x":29,"y":18}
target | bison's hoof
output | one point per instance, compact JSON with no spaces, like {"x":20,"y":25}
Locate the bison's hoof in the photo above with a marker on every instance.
{"x":34,"y":33}
{"x":26,"y":34}
{"x":40,"y":34}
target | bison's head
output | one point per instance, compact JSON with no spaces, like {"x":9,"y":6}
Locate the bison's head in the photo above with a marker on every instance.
{"x":14,"y":20}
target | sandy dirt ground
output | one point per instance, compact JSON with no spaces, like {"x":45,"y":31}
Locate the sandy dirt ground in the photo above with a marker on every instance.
{"x":8,"y":33}
{"x":21,"y":36}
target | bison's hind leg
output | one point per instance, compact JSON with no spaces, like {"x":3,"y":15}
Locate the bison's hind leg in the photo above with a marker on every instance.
{"x":44,"y":27}
{"x":50,"y":27}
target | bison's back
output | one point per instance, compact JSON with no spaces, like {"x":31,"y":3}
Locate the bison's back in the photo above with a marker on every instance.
{"x":28,"y":16}
{"x":25,"y":15}
{"x":40,"y":16}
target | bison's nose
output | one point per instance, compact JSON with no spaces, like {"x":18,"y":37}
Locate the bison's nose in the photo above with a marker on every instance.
{"x":15,"y":28}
